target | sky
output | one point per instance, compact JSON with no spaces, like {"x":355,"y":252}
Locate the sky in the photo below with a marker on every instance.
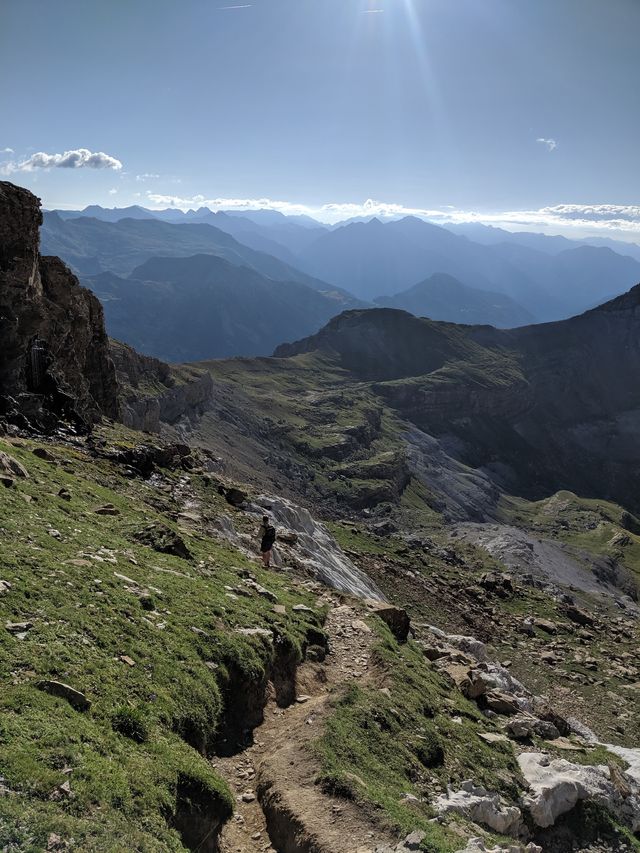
{"x":521,"y":113}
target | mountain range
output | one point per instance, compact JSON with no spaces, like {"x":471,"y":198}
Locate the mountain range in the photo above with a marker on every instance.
{"x":468,"y":274}
{"x":444,"y":656}
{"x":443,"y":297}
{"x":203,"y":306}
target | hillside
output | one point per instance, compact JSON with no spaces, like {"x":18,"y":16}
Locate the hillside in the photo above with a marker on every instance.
{"x":538,"y":408}
{"x":188,"y":309}
{"x":374,"y":259}
{"x":91,"y":246}
{"x":430,"y":662}
{"x":442,"y":297}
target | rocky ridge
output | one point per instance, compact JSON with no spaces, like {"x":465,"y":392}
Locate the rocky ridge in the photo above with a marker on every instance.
{"x":54,"y":352}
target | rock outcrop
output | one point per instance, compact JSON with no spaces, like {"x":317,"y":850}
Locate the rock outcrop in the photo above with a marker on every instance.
{"x":151,"y":395}
{"x":54,"y":351}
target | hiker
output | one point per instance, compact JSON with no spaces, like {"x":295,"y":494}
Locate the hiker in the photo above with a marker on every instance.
{"x":267,"y":534}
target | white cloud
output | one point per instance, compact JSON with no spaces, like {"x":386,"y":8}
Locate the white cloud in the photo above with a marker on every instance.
{"x":79,"y":158}
{"x":241,"y":6}
{"x":550,"y":144}
{"x":147,"y":176}
{"x":621,"y":221}
{"x":330,"y":212}
{"x":7,"y":151}
{"x":113,"y":191}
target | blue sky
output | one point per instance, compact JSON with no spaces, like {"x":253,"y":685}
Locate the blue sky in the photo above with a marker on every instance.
{"x":519,"y":112}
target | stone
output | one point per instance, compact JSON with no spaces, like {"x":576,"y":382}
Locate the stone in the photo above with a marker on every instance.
{"x":525,"y":727}
{"x":556,"y":786}
{"x":65,"y":494}
{"x":261,"y":590}
{"x":414,"y":840}
{"x":10,"y":467}
{"x":493,"y":737}
{"x":280,"y":609}
{"x":394,"y":617}
{"x":289,"y":537}
{"x":7,"y":482}
{"x":498,"y":583}
{"x":164,"y":540}
{"x":107,"y":509}
{"x":248,"y":797}
{"x":74,"y":697}
{"x":235,"y":497}
{"x":5,"y":586}
{"x":18,"y":627}
{"x":500,"y":702}
{"x":255,"y":632}
{"x":481,"y":806}
{"x":44,"y":454}
{"x":302,"y":608}
{"x":546,"y":625}
{"x":126,"y":659}
{"x":575,"y":614}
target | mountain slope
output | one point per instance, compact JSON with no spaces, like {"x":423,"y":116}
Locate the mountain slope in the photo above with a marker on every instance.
{"x":376,"y":258}
{"x":92,"y":246}
{"x":190,"y":309}
{"x":540,"y":408}
{"x":442,"y":297}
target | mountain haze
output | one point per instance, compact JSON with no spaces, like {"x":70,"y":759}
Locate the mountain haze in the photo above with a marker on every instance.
{"x":443,"y":297}
{"x":190,"y":309}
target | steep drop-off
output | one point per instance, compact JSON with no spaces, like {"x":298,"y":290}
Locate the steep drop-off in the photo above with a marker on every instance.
{"x":54,"y":352}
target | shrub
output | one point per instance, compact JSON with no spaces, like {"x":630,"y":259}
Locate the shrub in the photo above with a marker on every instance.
{"x":131,"y":723}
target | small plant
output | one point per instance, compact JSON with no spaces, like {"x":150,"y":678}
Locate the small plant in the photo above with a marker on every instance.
{"x":131,"y":723}
{"x":147,"y":602}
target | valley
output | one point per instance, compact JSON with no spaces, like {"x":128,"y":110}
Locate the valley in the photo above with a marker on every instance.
{"x":443,"y":655}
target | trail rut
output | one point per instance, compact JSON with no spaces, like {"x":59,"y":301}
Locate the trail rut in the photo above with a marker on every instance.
{"x":279,"y":808}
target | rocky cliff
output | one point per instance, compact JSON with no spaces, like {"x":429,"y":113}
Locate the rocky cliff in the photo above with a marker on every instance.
{"x":54,"y":351}
{"x":152,"y":393}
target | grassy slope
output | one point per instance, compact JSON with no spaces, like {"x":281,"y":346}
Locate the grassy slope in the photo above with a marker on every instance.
{"x":84,"y":618}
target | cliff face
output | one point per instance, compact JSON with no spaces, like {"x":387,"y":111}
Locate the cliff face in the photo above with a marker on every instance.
{"x":153,"y":393}
{"x":54,"y":351}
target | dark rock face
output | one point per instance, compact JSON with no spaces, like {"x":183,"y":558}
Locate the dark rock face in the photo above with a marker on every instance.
{"x":54,"y":351}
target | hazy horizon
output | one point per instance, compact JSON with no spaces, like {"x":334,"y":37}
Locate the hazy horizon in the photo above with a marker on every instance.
{"x":508,"y":113}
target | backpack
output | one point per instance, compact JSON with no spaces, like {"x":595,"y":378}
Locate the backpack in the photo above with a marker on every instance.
{"x":269,"y":536}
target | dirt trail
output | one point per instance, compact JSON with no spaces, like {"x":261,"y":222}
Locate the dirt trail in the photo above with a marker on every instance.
{"x":275,"y":775}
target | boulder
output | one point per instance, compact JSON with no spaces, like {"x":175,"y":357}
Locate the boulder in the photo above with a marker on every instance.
{"x":556,"y":786}
{"x":10,"y":467}
{"x":497,"y":583}
{"x":63,"y":691}
{"x":525,"y":727}
{"x":235,"y":497}
{"x":394,"y":617}
{"x":164,"y":540}
{"x":107,"y":509}
{"x":483,"y":807}
{"x":44,"y":454}
{"x":500,"y":702}
{"x":575,"y":614}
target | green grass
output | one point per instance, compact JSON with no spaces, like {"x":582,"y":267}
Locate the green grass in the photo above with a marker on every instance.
{"x":596,"y":526}
{"x":151,"y":724}
{"x":379,"y":747}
